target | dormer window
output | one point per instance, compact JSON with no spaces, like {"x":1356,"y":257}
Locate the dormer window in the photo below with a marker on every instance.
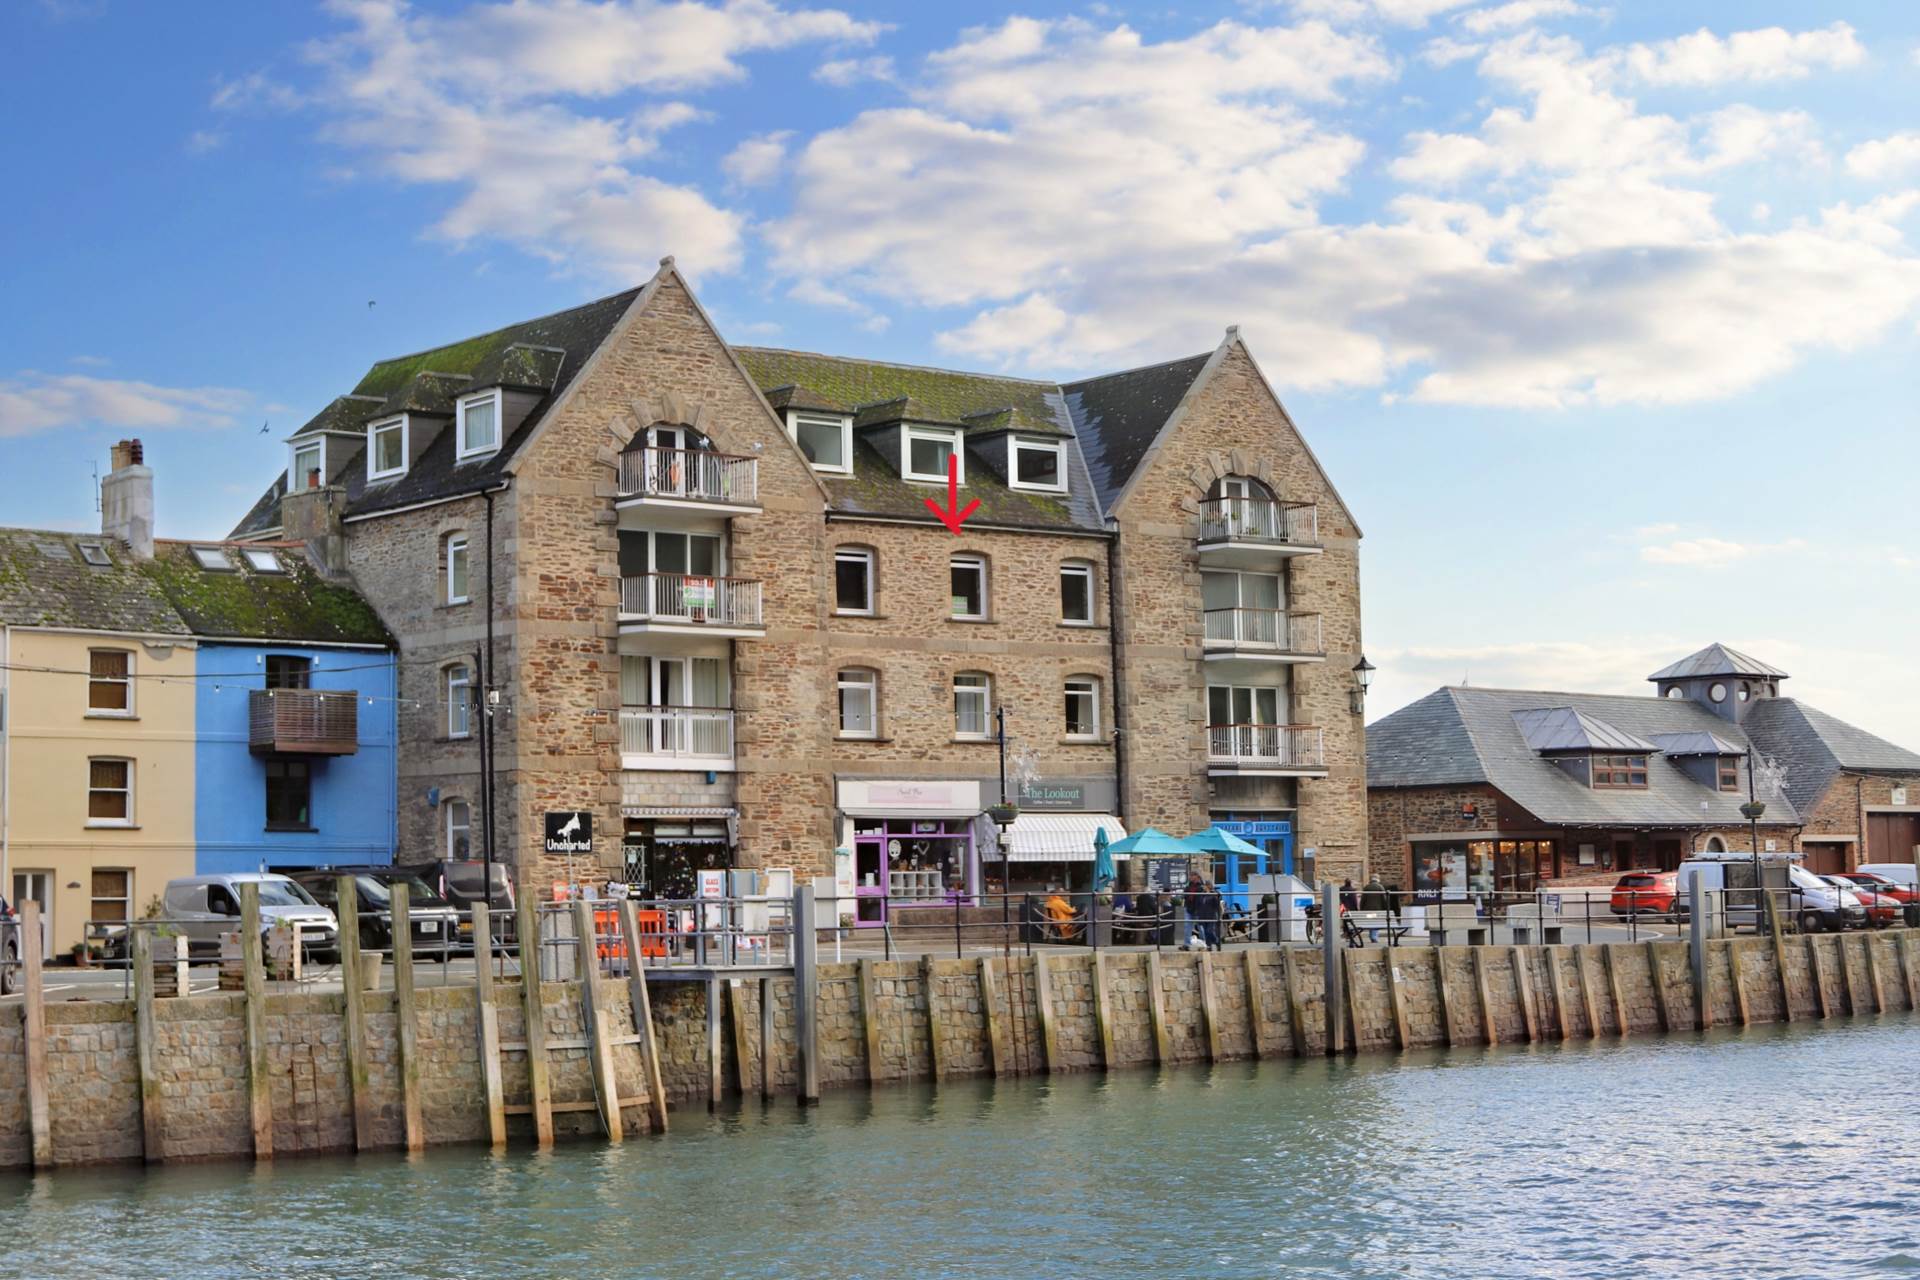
{"x":927,"y":452}
{"x":1039,"y":464}
{"x":1620,"y":773}
{"x":826,"y":439}
{"x":387,"y":448}
{"x":1729,"y":773}
{"x":479,"y":425}
{"x":306,"y":471}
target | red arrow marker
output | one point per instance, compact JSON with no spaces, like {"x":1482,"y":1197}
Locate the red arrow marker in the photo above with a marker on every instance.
{"x":954,"y":515}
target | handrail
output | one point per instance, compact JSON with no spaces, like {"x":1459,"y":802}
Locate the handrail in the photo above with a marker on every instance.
{"x":1276,"y":630}
{"x":1259,"y":520}
{"x":1285,"y":744}
{"x":696,"y":732}
{"x":694,"y":598}
{"x":696,"y":474}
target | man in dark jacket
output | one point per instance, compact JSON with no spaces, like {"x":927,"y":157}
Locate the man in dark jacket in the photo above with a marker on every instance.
{"x":1375,"y":896}
{"x":1203,"y":909}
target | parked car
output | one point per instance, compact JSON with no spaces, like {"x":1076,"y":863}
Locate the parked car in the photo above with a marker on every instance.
{"x":1903,"y":877}
{"x":459,"y":881}
{"x":1646,"y":893}
{"x":204,"y":907}
{"x":1883,"y":910}
{"x":12,"y":978}
{"x":434,"y":922}
{"x":1803,"y":897}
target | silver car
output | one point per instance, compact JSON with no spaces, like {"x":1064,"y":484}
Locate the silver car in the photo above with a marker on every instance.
{"x":204,"y":907}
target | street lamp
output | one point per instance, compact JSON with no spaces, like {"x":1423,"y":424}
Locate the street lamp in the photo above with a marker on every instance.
{"x":1362,"y":677}
{"x":1752,"y":810}
{"x":1002,"y":816}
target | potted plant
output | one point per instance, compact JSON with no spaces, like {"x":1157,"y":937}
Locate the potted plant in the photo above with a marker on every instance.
{"x":1002,"y":814}
{"x":82,"y":957}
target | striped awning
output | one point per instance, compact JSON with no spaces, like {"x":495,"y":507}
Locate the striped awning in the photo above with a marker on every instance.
{"x":1060,"y":837}
{"x":677,"y":811}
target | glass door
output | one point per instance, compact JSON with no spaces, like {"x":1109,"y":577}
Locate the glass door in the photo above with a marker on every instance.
{"x":870,"y":869}
{"x":37,"y":886}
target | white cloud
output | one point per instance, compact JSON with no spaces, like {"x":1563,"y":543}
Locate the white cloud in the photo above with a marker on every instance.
{"x":1400,"y":13}
{"x":254,"y":91}
{"x":757,"y":161}
{"x":1444,"y":51}
{"x":492,"y":101}
{"x":1772,"y":53}
{"x":1517,"y":13}
{"x":1713,"y":553}
{"x":32,"y":402}
{"x":845,"y":72}
{"x":201,"y":141}
{"x":1889,"y":157}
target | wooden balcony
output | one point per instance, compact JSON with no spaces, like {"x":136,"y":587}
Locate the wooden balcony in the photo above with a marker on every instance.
{"x":306,"y":722}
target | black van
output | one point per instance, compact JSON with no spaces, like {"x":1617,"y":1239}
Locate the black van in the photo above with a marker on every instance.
{"x":435,"y":921}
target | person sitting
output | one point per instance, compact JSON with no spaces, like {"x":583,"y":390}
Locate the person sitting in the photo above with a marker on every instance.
{"x":1063,"y":919}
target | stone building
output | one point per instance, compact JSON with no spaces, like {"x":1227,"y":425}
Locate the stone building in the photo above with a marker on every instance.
{"x":698,"y":593}
{"x":1503,"y":790}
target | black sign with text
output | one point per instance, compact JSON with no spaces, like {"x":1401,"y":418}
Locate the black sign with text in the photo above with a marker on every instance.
{"x":570,"y":832}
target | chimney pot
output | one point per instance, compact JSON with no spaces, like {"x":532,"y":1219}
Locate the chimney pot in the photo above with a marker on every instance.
{"x":126,"y":500}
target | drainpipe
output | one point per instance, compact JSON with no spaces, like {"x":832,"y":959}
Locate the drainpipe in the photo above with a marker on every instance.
{"x":486,"y":700}
{"x":1119,"y":683}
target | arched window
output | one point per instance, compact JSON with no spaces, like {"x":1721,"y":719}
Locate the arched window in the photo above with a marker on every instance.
{"x":972,"y":697}
{"x":859,"y":690}
{"x":1716,"y":845}
{"x":661,"y":460}
{"x":1240,"y":487}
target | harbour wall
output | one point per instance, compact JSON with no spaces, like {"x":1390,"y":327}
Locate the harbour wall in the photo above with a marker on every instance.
{"x":180,"y":1079}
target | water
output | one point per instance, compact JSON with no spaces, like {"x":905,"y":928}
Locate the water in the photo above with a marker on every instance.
{"x":1737,"y":1154}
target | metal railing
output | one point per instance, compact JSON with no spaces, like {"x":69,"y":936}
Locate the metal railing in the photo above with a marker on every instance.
{"x":1282,"y":745}
{"x":694,"y":474}
{"x":689,"y":732}
{"x":1259,"y":520}
{"x":689,"y":598}
{"x":1265,"y":630}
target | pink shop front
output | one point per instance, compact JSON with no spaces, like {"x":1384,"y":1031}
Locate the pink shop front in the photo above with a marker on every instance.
{"x":911,"y":843}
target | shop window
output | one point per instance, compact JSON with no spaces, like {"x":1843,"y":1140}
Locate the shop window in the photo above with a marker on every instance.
{"x":661,"y":857}
{"x":972,"y":693}
{"x":109,"y":793}
{"x":1620,"y":773}
{"x":853,"y":580}
{"x":1076,"y":592}
{"x":459,"y":820}
{"x":289,"y":795}
{"x":1083,"y":707}
{"x":968,"y":579}
{"x":112,"y":895}
{"x":109,"y":682}
{"x":859,"y":703}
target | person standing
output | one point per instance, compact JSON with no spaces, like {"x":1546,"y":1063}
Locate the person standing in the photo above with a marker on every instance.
{"x":1377,"y":903}
{"x":1203,"y":909}
{"x":1349,"y":896}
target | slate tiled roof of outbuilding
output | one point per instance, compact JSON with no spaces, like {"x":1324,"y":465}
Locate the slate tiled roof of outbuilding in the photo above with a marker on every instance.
{"x":45,"y":582}
{"x":1814,"y":746}
{"x":244,"y":603}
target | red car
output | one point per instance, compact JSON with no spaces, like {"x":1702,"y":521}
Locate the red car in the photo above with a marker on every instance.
{"x":1646,"y":893}
{"x":1883,"y":909}
{"x":1881,"y":885}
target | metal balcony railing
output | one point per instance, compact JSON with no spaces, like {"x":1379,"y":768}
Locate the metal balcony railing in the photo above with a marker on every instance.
{"x":1281,"y":745}
{"x":1259,"y":520}
{"x":695,"y":733}
{"x":1265,"y":631}
{"x":697,"y":475}
{"x":691,"y":599}
{"x":315,"y":722}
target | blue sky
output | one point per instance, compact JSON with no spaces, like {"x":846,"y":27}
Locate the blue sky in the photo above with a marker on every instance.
{"x":1603,"y":318}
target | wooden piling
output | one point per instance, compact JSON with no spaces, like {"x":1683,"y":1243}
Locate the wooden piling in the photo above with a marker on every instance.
{"x":1659,"y":986}
{"x":1209,"y":1007}
{"x":1489,"y":1026}
{"x":995,"y":1053}
{"x":487,"y":1023}
{"x":1440,"y":989}
{"x":1350,"y":1015}
{"x":347,"y":912}
{"x":935,"y":1051}
{"x":1819,"y":970}
{"x":606,"y":1077}
{"x":1907,"y":969}
{"x":1157,"y":1012}
{"x":643,"y":1017}
{"x":259,"y":1080}
{"x":1256,"y":1006}
{"x":742,"y":1037}
{"x":1874,"y":974}
{"x":1731,"y":945}
{"x":539,"y":1088}
{"x":1846,"y":973}
{"x":1043,"y":1007}
{"x":1779,"y":955}
{"x":1619,"y":995}
{"x":1556,"y":975}
{"x":39,"y":1114}
{"x":715,"y":1058}
{"x":766,"y":1036}
{"x":1103,"y":1011}
{"x":406,"y":1017}
{"x":1296,"y":1020}
{"x":153,"y":1129}
{"x":869,"y":1019}
{"x":806,"y":992}
{"x":1587,"y":1000}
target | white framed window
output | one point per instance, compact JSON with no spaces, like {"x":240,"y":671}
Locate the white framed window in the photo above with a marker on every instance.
{"x":109,"y":792}
{"x":925,"y":452}
{"x":479,"y":424}
{"x":260,"y":560}
{"x":1083,"y":707}
{"x":1076,"y":593}
{"x":1039,"y":464}
{"x":95,"y":554}
{"x":110,"y":682}
{"x":972,"y":693}
{"x":827,"y":440}
{"x":306,"y":471}
{"x":459,"y":820}
{"x":859,"y":703}
{"x":457,"y":569}
{"x":459,"y":681}
{"x":213,"y":559}
{"x":853,"y":580}
{"x":387,"y":448}
{"x":968,"y":578}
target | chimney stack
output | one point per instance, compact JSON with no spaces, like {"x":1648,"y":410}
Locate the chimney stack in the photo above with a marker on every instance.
{"x":126,"y":500}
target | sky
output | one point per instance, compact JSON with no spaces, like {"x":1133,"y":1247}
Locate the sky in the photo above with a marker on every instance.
{"x":1602,"y":317}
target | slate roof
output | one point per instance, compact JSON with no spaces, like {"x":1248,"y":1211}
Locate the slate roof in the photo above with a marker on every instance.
{"x":44,"y":582}
{"x":1814,"y":746}
{"x":1457,"y":736}
{"x":544,"y":354}
{"x":1718,"y":660}
{"x":1696,"y":743}
{"x":1118,"y":415}
{"x":932,"y":395}
{"x":1565,"y":729}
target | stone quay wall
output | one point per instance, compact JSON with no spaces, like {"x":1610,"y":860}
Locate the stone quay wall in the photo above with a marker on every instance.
{"x":880,"y":1021}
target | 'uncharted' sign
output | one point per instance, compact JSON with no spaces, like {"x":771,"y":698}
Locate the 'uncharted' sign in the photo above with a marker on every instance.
{"x":570,"y":832}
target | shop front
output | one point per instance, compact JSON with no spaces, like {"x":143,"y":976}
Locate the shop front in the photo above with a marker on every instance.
{"x":1480,"y":870}
{"x":1048,"y":851}
{"x":914,"y":844}
{"x":1272,"y":833}
{"x":663,"y":850}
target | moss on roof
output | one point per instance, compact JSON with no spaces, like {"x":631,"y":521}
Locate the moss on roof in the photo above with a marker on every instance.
{"x":46,"y":582}
{"x":298,"y":605}
{"x":931,"y":395}
{"x":875,"y":488}
{"x":343,"y":413}
{"x":425,"y":392}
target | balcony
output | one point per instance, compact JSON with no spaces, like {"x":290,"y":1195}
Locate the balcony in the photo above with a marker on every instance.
{"x":1250,"y":533}
{"x":684,"y":604}
{"x":693,"y":480}
{"x":1263,"y":635}
{"x":1265,"y":750}
{"x":676,"y":738}
{"x":308,"y":722}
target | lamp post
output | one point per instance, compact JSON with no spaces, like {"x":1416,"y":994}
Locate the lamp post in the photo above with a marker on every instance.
{"x":1752,"y":810}
{"x":1362,"y":678}
{"x":1002,"y":816}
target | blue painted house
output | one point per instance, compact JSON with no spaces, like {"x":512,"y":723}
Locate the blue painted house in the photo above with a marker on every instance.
{"x":295,"y":710}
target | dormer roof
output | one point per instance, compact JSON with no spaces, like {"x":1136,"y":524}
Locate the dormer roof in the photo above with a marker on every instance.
{"x":1717,"y":660}
{"x":1564,"y":729}
{"x":1700,"y":743}
{"x":424,"y":392}
{"x":343,"y":413}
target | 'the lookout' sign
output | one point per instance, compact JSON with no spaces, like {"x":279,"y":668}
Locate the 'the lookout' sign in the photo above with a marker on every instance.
{"x":570,"y":832}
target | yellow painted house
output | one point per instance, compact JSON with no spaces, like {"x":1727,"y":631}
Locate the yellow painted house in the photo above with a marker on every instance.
{"x":96,"y":732}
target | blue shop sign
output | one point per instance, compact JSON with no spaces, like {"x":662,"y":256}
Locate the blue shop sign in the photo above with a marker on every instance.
{"x":1273,"y":830}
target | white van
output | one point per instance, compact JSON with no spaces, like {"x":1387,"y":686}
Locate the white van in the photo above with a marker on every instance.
{"x":1901,"y":873}
{"x":207,"y":906}
{"x":1811,"y":902}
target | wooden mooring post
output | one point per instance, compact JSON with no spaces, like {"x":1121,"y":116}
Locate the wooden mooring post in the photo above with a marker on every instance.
{"x":539,"y":1087}
{"x":406,"y":1017}
{"x":39,"y":1114}
{"x":487,"y":1020}
{"x":643,"y":1016}
{"x":1043,"y":1010}
{"x":996,"y":1054}
{"x":1256,"y":1006}
{"x":259,"y":1081}
{"x":806,"y":992}
{"x":606,"y":1080}
{"x":1157,"y":1012}
{"x":152,"y":1124}
{"x":347,"y":912}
